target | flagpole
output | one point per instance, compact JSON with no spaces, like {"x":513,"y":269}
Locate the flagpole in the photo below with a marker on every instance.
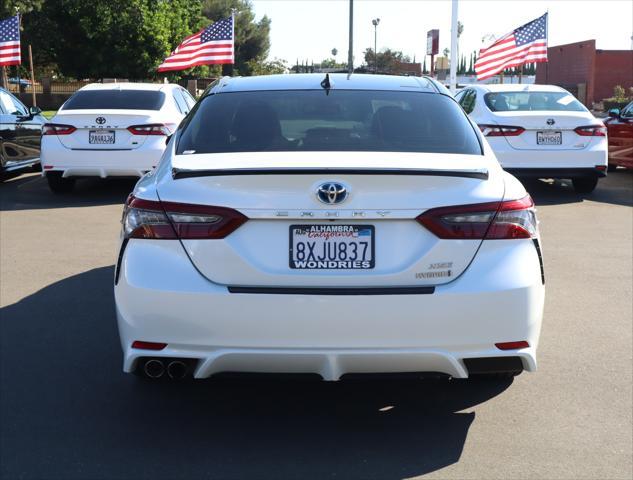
{"x":32,"y":76}
{"x":233,"y":10}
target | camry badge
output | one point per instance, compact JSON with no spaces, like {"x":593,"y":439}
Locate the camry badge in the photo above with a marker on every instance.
{"x":100,"y":120}
{"x":331,"y":193}
{"x":551,"y":121}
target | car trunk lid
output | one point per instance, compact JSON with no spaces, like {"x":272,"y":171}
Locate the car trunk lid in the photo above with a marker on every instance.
{"x":103,"y":129}
{"x":546,"y":130}
{"x":277,"y":191}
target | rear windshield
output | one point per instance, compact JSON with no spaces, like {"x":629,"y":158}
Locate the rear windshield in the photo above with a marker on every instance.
{"x":115,"y":100}
{"x":343,"y":120}
{"x":532,"y":102}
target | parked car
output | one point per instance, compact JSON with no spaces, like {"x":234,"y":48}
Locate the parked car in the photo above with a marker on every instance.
{"x":539,"y":131}
{"x":111,"y":130}
{"x":620,"y":134}
{"x":20,"y":132}
{"x":23,"y":82}
{"x":329,"y":225}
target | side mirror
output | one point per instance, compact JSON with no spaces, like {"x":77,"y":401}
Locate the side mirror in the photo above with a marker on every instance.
{"x":35,"y":111}
{"x":614,"y":113}
{"x":168,"y":138}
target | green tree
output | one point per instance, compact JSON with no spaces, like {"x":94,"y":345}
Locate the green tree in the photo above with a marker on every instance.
{"x":387,"y":59}
{"x":252,"y":38}
{"x":117,"y":38}
{"x":270,"y":67}
{"x":8,"y":8}
{"x":332,"y":63}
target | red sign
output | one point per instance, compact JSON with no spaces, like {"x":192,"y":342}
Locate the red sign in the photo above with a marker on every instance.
{"x":432,"y":42}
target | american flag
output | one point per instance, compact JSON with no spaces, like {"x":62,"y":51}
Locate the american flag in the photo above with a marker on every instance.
{"x":10,"y":41}
{"x":214,"y":44}
{"x":526,"y":44}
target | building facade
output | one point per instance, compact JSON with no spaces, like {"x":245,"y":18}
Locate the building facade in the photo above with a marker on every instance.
{"x":589,"y":73}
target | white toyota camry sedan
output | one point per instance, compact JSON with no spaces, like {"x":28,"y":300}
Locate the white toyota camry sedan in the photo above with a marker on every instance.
{"x":539,"y":131}
{"x":333,"y":226}
{"x":111,"y":130}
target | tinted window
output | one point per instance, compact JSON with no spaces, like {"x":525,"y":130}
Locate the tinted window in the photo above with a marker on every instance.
{"x":180,"y":102}
{"x":532,"y":101}
{"x":344,"y":120}
{"x":627,"y":112}
{"x":468,"y":101}
{"x":188,"y":98}
{"x":115,"y":100}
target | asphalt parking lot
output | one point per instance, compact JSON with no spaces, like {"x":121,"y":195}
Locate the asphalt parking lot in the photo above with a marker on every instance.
{"x":68,"y":412}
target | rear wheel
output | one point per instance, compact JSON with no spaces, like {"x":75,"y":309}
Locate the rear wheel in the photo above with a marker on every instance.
{"x":59,"y":184}
{"x":584,"y":185}
{"x":612,"y":167}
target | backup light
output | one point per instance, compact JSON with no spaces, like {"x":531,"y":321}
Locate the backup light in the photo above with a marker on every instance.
{"x":501,"y":130}
{"x":165,"y":129}
{"x":57,"y":129}
{"x":494,"y":221}
{"x":169,"y":220}
{"x":591,"y":131}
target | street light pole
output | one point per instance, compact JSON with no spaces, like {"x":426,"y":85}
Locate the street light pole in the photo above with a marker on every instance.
{"x":375,"y":23}
{"x":453,"y":66}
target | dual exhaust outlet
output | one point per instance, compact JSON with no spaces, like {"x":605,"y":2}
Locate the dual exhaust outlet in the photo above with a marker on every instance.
{"x":173,"y":369}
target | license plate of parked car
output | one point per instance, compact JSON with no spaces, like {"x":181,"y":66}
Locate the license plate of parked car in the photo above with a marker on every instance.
{"x":101,"y":137}
{"x":549,"y":138}
{"x":333,"y":247}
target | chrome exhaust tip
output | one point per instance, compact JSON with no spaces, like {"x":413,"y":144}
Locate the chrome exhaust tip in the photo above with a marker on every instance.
{"x":177,"y":370}
{"x":154,"y":368}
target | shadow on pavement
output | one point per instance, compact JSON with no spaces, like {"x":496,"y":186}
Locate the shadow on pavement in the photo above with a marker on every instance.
{"x":67,"y":410}
{"x":616,"y":189}
{"x":29,"y":192}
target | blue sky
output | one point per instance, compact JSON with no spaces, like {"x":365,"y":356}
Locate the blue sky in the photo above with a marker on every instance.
{"x":309,"y":29}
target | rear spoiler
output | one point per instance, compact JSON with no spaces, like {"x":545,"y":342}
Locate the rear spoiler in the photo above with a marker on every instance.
{"x":480,"y":173}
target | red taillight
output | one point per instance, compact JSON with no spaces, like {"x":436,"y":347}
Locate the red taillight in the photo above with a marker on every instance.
{"x":512,"y":345}
{"x":591,"y":131}
{"x":148,"y":345}
{"x":57,"y":129}
{"x":495,"y":220}
{"x":152,"y":129}
{"x":169,"y":220}
{"x":500,"y":130}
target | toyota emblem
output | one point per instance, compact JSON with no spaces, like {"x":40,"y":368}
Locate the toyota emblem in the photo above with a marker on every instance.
{"x":551,"y":121}
{"x":331,"y":193}
{"x":100,"y":120}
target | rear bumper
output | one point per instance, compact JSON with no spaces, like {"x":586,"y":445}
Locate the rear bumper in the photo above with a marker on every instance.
{"x":160,"y":297}
{"x":100,"y":163}
{"x":557,"y":172}
{"x":564,"y":162}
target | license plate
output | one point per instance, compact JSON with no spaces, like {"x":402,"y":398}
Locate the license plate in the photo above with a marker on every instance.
{"x":332,"y":247}
{"x":99,"y":137}
{"x":549,"y":138}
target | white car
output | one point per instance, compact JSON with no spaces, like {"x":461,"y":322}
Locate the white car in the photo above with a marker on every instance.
{"x":111,"y":130}
{"x":333,"y":226}
{"x":539,"y":131}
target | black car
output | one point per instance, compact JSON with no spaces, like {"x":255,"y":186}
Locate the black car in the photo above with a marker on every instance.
{"x":20,"y":134}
